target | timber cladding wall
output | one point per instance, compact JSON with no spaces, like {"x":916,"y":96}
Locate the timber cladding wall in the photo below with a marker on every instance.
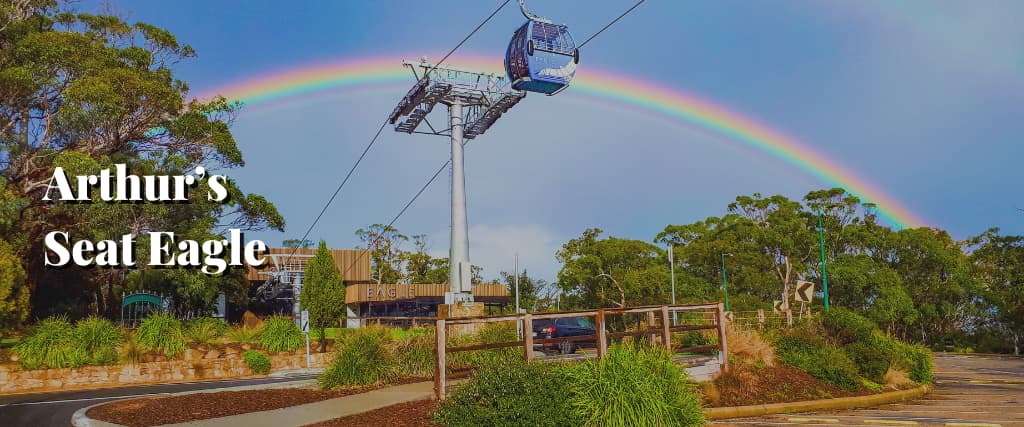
{"x":395,"y":292}
{"x":354,"y":264}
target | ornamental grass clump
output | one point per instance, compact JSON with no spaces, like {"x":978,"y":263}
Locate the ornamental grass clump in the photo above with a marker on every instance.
{"x":633,"y":385}
{"x":99,"y":338}
{"x":243,"y":334}
{"x":162,"y":332}
{"x":51,"y":344}
{"x":361,"y":358}
{"x":281,"y":333}
{"x":205,"y":329}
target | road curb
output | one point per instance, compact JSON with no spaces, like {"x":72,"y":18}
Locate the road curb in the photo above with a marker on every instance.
{"x":816,"y":405}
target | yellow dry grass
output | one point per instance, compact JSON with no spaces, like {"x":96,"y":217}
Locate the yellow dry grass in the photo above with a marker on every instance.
{"x":748,"y":344}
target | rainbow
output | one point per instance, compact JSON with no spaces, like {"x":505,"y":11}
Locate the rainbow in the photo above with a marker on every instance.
{"x":313,"y":79}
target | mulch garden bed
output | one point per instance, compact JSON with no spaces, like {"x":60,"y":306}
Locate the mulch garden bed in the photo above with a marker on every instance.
{"x":153,"y":411}
{"x":744,"y":384}
{"x":409,"y":414}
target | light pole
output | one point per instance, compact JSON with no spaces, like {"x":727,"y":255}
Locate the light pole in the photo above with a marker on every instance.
{"x":672,"y":274}
{"x":725,"y":281}
{"x":824,"y":274}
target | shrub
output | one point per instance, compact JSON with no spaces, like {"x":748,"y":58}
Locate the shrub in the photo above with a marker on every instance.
{"x":258,"y":362}
{"x":916,"y":360}
{"x":872,"y":360}
{"x":99,"y":339}
{"x":281,"y":333}
{"x":822,"y":361}
{"x":205,"y":329}
{"x":163,"y":332}
{"x":243,"y":334}
{"x":361,"y":358}
{"x":633,"y":386}
{"x":845,"y":326}
{"x":51,"y":344}
{"x":512,"y":393}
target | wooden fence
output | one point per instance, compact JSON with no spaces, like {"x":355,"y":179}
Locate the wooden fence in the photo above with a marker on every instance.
{"x":659,"y":324}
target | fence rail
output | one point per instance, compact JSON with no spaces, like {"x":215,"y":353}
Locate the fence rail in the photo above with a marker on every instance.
{"x":661,"y":322}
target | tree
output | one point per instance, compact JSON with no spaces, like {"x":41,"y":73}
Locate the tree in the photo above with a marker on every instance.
{"x":323,"y":292}
{"x":13,"y":292}
{"x":85,"y":92}
{"x":998,"y":262}
{"x":297,"y":244}
{"x":531,"y":290}
{"x":612,"y":271}
{"x":384,"y":243}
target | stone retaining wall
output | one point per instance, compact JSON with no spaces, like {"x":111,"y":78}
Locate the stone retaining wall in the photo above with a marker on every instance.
{"x":15,"y":380}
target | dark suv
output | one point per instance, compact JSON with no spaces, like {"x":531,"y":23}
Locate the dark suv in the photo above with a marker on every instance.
{"x":563,"y":328}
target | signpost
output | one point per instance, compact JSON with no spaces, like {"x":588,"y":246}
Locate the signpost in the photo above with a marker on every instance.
{"x":729,"y":316}
{"x":304,"y":322}
{"x":778,"y":307}
{"x":804,"y":291}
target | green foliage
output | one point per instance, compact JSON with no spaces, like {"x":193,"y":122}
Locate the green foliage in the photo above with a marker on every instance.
{"x":258,"y":362}
{"x":205,"y":329}
{"x":323,"y":293}
{"x":414,"y":354}
{"x":51,"y":344}
{"x":633,"y":386}
{"x":99,"y":339}
{"x":489,"y":333}
{"x":362,"y":358}
{"x":14,"y":293}
{"x":280,"y":333}
{"x":510,"y":392}
{"x":161,"y":331}
{"x":822,"y":361}
{"x":86,"y":93}
{"x":243,"y":334}
{"x":916,"y":359}
{"x":845,"y":326}
{"x":872,"y":360}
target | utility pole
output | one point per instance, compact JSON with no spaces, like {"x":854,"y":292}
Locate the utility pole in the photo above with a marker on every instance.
{"x":824,"y":274}
{"x":725,"y":282}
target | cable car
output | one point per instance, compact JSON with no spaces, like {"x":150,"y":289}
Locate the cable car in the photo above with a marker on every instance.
{"x":541,"y":56}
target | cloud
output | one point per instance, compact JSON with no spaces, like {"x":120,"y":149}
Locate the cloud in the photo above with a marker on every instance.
{"x":494,"y":247}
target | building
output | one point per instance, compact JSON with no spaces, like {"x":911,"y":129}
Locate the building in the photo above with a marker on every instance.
{"x":272,"y":287}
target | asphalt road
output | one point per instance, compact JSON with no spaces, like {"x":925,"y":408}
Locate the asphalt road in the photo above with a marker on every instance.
{"x":56,"y":408}
{"x":979,"y":391}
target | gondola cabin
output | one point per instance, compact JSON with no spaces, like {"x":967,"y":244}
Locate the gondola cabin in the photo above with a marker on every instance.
{"x":541,"y":57}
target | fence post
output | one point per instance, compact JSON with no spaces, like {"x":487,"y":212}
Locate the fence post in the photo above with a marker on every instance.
{"x":528,"y":336}
{"x":722,"y":345}
{"x":666,"y":328}
{"x":760,"y":319}
{"x":602,"y":335}
{"x":652,"y":325}
{"x":789,"y":317}
{"x":439,"y":367}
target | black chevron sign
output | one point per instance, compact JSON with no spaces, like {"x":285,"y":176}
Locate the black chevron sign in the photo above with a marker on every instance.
{"x":777,"y":306}
{"x":804,"y":291}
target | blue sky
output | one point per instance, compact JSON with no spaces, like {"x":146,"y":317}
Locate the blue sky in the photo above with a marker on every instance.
{"x":923,"y":98}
